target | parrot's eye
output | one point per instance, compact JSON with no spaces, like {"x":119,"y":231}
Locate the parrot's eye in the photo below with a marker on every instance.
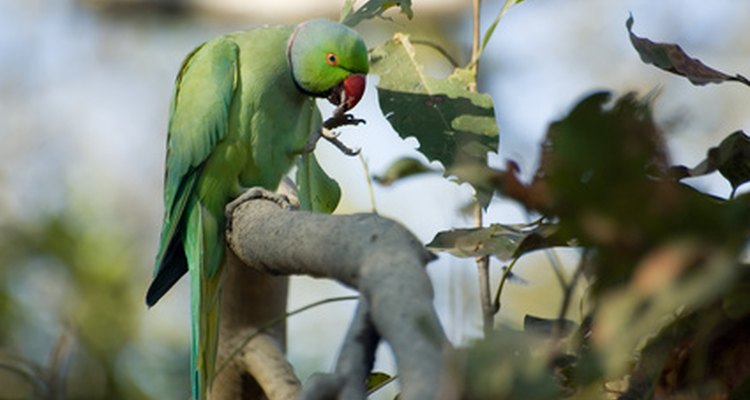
{"x":331,"y":59}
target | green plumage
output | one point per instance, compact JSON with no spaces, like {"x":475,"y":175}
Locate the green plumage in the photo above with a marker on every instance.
{"x":238,"y":118}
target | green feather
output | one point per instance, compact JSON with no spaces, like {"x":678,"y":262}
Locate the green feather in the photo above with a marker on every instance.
{"x":238,"y":119}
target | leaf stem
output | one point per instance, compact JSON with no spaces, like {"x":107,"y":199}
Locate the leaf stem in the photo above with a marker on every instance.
{"x":487,"y":35}
{"x":368,"y":177}
{"x":567,"y":295}
{"x":506,"y":274}
{"x":474,"y":64}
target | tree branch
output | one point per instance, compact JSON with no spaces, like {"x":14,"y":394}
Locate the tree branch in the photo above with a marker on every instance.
{"x":250,"y":300}
{"x":354,"y":363}
{"x":374,"y":255}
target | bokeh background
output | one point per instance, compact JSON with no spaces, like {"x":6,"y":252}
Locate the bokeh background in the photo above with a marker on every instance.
{"x":85,"y":87}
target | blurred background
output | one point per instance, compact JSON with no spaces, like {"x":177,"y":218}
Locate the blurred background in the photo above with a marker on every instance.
{"x":85,"y":87}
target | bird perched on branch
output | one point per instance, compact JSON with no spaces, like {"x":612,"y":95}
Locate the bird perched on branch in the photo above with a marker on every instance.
{"x":243,"y":108}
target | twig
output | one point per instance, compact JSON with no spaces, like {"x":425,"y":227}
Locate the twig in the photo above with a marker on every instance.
{"x":59,"y":363}
{"x":475,"y":49}
{"x":552,"y":257}
{"x":483,"y":263}
{"x":555,"y":263}
{"x":506,"y":274}
{"x":28,"y":371}
{"x":354,"y":362}
{"x":238,"y":349}
{"x":485,"y":296}
{"x":370,"y":188}
{"x":567,"y":295}
{"x":487,"y":35}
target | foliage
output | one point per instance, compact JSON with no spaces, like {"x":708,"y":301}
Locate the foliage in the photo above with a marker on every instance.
{"x":75,"y":272}
{"x":670,"y":57}
{"x":372,"y":9}
{"x":402,"y":168}
{"x":668,"y":303}
{"x":731,"y":158}
{"x":668,"y":310}
{"x":317,"y":191}
{"x":453,"y":124}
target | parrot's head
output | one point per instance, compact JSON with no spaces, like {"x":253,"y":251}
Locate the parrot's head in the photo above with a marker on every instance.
{"x":330,"y":60}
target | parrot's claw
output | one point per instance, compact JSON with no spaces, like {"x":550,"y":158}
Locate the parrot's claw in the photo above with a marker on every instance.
{"x":339,"y":119}
{"x":329,"y":134}
{"x":334,"y":140}
{"x":350,"y":120}
{"x":256,"y":193}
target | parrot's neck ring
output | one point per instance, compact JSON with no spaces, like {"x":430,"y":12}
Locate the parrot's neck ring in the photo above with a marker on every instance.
{"x":291,"y":68}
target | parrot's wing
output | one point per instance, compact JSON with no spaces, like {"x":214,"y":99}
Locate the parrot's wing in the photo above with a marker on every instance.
{"x":199,"y":119}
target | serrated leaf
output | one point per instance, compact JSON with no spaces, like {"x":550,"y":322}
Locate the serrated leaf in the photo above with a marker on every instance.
{"x":317,"y":191}
{"x":373,"y":9}
{"x":500,"y":240}
{"x":731,"y":158}
{"x":402,"y":168}
{"x":452,"y":124}
{"x":670,"y":57}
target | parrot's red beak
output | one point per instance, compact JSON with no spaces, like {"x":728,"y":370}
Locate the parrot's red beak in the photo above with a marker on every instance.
{"x":349,"y":92}
{"x":354,"y":88}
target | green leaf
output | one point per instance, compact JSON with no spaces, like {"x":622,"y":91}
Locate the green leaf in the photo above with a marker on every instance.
{"x":544,"y":236}
{"x":488,"y":34}
{"x":376,"y":380}
{"x":670,"y":57}
{"x":346,"y":9}
{"x":372,"y":9}
{"x":731,"y":158}
{"x":452,"y":124}
{"x":317,"y":191}
{"x":402,"y":168}
{"x":500,"y":240}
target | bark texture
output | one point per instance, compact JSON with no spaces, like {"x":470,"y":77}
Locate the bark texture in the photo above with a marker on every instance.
{"x":375,"y":255}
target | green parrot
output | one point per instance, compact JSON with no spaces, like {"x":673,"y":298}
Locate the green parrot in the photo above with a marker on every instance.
{"x":243,"y":108}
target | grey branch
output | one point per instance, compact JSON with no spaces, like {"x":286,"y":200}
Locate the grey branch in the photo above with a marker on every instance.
{"x":250,"y":300}
{"x":354,"y":363}
{"x":374,"y":255}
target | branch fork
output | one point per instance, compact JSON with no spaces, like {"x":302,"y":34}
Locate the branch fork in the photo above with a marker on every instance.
{"x":374,"y":255}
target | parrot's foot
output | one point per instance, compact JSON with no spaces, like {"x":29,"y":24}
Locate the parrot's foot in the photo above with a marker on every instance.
{"x":339,"y":119}
{"x":333,"y":138}
{"x":256,"y":193}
